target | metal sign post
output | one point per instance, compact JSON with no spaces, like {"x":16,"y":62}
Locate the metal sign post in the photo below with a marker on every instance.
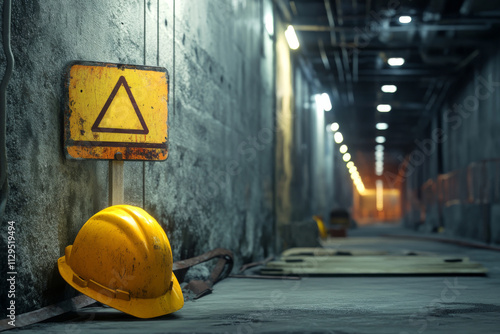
{"x":115,"y":174}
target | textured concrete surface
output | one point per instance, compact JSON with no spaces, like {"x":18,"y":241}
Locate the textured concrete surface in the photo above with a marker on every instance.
{"x":494,"y":225}
{"x":284,"y":134}
{"x":300,"y":234}
{"x":325,"y":305}
{"x":215,"y":189}
{"x":432,"y":222}
{"x":469,"y":124}
{"x":310,"y":176}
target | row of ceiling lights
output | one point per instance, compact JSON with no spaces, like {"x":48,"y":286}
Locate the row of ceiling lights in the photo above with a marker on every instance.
{"x":293,"y":41}
{"x":384,"y":108}
{"x":379,"y":148}
{"x":346,"y":156}
{"x":323,"y":102}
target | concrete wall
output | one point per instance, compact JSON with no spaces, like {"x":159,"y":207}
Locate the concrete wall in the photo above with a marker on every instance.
{"x":464,"y":140}
{"x":284,"y":129}
{"x":215,"y":189}
{"x":304,"y":150}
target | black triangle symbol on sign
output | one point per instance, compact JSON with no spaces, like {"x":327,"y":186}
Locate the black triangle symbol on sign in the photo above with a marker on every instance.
{"x":97,"y":128}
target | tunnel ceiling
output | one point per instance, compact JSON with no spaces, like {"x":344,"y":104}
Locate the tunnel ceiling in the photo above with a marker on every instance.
{"x":346,"y":45}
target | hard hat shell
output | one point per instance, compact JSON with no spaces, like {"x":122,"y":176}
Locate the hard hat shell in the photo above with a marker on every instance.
{"x":323,"y":233}
{"x":121,"y":257}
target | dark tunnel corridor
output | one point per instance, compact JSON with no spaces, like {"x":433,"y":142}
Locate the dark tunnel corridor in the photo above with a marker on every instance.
{"x":250,"y":166}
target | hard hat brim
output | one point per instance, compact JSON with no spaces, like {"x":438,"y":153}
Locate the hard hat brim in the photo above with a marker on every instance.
{"x":170,"y":302}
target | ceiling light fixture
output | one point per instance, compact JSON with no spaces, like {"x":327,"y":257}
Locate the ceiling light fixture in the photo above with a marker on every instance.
{"x":343,"y":149}
{"x":395,"y":61}
{"x":334,"y":127}
{"x":269,"y":23}
{"x":384,"y":107}
{"x":325,"y":102}
{"x":291,"y":38}
{"x":382,"y":126}
{"x":350,"y":164}
{"x":338,"y":137}
{"x":380,"y":139}
{"x":389,"y":88}
{"x":379,"y":148}
{"x":405,"y":19}
{"x":346,"y":157}
{"x":359,"y":186}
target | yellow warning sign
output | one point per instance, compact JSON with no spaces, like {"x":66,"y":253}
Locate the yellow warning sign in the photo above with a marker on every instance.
{"x":116,"y":111}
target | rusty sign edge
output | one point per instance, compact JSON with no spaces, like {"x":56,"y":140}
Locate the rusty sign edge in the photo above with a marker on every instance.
{"x":70,"y":143}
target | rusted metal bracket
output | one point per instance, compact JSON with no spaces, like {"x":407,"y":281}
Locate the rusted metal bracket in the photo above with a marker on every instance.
{"x":221,"y":270}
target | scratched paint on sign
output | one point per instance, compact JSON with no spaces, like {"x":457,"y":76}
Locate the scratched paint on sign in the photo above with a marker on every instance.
{"x":116,"y":109}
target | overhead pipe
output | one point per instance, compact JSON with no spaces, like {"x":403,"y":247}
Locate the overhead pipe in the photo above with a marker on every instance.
{"x":393,"y":29}
{"x":348,"y":75}
{"x":406,"y":72}
{"x":333,"y":39}
{"x":439,"y":59}
{"x":430,"y":90}
{"x":409,"y":46}
{"x":344,"y":59}
{"x":326,"y":64}
{"x":324,"y":57}
{"x":355,"y":61}
{"x":467,"y":60}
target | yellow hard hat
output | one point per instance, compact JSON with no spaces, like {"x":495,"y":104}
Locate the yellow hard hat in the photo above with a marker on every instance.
{"x":323,"y":233}
{"x":122,"y":258}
